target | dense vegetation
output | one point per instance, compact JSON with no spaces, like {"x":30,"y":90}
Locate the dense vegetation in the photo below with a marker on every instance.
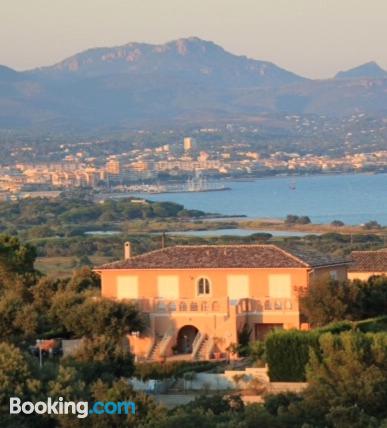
{"x":345,"y":363}
{"x":72,"y":215}
{"x":287,"y":352}
{"x":65,"y":231}
{"x":328,"y":301}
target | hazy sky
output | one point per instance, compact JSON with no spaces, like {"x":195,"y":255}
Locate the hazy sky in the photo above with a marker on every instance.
{"x":315,"y":38}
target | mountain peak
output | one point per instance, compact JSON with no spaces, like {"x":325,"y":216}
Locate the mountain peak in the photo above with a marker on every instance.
{"x":99,"y":60}
{"x":369,"y":70}
{"x":186,"y":59}
{"x":194,"y":45}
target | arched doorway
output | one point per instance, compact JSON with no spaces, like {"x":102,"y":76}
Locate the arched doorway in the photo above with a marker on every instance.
{"x":185,"y":339}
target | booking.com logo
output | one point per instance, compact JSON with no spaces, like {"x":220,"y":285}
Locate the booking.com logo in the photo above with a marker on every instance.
{"x":79,"y":408}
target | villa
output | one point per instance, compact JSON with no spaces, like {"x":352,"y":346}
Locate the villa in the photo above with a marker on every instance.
{"x":199,"y":298}
{"x":368,"y":263}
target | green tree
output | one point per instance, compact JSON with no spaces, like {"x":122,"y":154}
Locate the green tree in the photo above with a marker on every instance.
{"x":84,"y":279}
{"x":15,"y":258}
{"x":337,"y":223}
{"x":64,"y":313}
{"x":18,"y":319}
{"x":146,"y":408}
{"x":291,"y":219}
{"x":15,"y":375}
{"x":86,"y":314}
{"x":372,"y":225}
{"x":348,"y":378}
{"x":372,"y":297}
{"x":68,"y":385}
{"x":104,"y":356}
{"x":98,"y":316}
{"x":328,"y":300}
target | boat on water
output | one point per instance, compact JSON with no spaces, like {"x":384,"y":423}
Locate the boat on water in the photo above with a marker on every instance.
{"x":198,"y":183}
{"x":293,"y":185}
{"x":215,"y":189}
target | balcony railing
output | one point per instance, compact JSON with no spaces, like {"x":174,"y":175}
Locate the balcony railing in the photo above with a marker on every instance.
{"x":222,"y":305}
{"x":190,"y":305}
{"x":266,"y":305}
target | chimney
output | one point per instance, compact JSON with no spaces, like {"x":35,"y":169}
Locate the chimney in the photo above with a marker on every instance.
{"x":127,"y":251}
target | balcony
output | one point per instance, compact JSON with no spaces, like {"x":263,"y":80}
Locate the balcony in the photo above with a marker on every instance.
{"x":267,"y":304}
{"x":222,"y":305}
{"x":190,"y":305}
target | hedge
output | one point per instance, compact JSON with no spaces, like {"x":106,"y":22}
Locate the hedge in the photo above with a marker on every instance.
{"x":287,"y":353}
{"x":371,"y":325}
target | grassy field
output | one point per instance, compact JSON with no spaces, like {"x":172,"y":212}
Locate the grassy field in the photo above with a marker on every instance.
{"x":63,"y":266}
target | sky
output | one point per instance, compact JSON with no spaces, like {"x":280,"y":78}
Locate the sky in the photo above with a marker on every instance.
{"x":314,"y":38}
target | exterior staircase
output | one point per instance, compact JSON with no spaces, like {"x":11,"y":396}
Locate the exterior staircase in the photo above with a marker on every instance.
{"x":159,"y":345}
{"x":154,"y":350}
{"x":201,"y":353}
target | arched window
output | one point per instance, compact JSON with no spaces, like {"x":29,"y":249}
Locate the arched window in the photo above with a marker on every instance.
{"x":203,"y":286}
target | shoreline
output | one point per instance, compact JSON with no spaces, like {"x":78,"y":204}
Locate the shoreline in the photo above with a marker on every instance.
{"x":279,"y":225}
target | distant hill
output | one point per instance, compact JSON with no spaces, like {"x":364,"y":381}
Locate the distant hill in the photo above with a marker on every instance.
{"x":7,"y":74}
{"x":194,"y":59}
{"x":370,"y":70}
{"x":183,"y":80}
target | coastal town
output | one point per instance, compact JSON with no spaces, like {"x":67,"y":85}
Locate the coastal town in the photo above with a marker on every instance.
{"x":183,"y":166}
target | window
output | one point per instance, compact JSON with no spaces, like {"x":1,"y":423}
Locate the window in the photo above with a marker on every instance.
{"x":203,"y":286}
{"x":238,"y":287}
{"x":168,"y":287}
{"x":127,"y":287}
{"x":280,"y":286}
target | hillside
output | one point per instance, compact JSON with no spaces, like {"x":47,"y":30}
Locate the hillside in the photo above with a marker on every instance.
{"x":184,"y":80}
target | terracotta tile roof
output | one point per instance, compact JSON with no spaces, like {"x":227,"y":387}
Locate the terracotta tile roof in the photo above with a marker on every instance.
{"x":223,"y":256}
{"x":369,"y":261}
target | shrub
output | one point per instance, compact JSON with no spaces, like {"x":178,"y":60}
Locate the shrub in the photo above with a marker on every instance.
{"x":337,"y":223}
{"x":256,"y":351}
{"x":243,"y":340}
{"x":336,"y":327}
{"x":349,"y":372}
{"x":295,"y":219}
{"x":372,"y":225}
{"x":373,"y":325}
{"x":287,"y":353}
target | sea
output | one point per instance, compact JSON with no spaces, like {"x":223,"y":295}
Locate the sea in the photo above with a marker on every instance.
{"x":352,"y":198}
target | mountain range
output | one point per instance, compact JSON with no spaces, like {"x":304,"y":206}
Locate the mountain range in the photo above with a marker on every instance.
{"x":184,"y":80}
